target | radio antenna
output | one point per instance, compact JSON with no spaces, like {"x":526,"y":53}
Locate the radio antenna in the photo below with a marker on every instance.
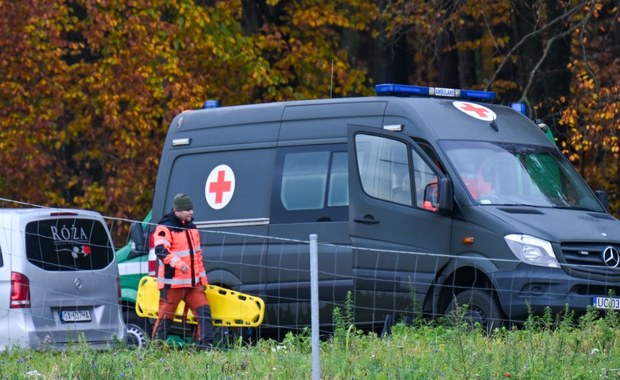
{"x":331,"y":81}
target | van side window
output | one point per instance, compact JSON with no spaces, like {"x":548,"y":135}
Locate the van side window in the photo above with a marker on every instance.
{"x":313,"y":184}
{"x":383,"y":168}
{"x":338,"y":181}
{"x":385,"y":172}
{"x":1,"y":258}
{"x":423,"y":177}
{"x":304,"y":179}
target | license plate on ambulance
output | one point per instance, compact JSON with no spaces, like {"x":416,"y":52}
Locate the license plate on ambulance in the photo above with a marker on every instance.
{"x":75,"y":316}
{"x":606,"y":303}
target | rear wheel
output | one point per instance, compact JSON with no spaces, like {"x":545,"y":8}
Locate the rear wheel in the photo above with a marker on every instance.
{"x":479,"y":307}
{"x":138,"y":330}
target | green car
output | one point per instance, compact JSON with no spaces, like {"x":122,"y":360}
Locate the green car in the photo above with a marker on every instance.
{"x":132,"y":266}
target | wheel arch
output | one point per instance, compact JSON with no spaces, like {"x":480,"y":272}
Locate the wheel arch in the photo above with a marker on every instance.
{"x":224,"y":279}
{"x":473,"y":271}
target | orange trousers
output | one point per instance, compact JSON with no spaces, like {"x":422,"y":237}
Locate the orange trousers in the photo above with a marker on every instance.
{"x":169,"y":298}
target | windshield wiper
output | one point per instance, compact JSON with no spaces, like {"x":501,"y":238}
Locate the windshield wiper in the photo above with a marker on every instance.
{"x":519,"y":205}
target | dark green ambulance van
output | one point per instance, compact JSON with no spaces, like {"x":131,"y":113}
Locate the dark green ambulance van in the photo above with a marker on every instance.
{"x":422,"y":198}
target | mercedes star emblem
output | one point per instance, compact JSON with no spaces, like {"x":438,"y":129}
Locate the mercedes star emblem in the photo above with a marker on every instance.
{"x":611,"y":257}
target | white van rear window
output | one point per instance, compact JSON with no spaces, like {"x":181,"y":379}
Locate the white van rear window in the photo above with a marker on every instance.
{"x":68,"y":244}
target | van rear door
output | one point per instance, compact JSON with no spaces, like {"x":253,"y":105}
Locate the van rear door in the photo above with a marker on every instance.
{"x":394,"y":228}
{"x":73,"y":280}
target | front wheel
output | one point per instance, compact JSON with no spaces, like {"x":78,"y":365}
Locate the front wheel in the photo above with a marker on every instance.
{"x":479,"y":307}
{"x":138,"y":330}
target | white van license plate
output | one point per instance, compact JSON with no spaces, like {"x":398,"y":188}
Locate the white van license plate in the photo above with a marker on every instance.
{"x":75,"y":316}
{"x":607,"y":303}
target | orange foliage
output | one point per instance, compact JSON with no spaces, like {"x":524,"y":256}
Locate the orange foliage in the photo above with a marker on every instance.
{"x":88,"y":87}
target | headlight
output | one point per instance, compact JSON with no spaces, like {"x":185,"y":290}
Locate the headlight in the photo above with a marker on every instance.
{"x":531,"y":250}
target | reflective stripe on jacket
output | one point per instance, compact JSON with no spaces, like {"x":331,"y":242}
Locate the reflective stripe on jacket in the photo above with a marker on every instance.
{"x":176,"y":244}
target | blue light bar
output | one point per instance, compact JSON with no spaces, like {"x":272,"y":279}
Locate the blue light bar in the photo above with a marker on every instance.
{"x":488,"y":96}
{"x":407,"y":90}
{"x":393,"y":89}
{"x":519,"y":107}
{"x":211,"y":103}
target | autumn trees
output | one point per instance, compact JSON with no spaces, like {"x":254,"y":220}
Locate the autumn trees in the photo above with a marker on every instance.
{"x":88,"y":87}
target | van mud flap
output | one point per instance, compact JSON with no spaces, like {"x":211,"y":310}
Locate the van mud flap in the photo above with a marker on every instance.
{"x":228,"y":307}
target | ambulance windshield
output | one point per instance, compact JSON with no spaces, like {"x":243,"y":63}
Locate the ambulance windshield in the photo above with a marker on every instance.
{"x":516,"y":174}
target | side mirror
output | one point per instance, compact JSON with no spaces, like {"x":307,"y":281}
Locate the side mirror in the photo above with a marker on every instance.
{"x":446,"y":195}
{"x":438,"y":196}
{"x":431,"y":197}
{"x":136,"y":235}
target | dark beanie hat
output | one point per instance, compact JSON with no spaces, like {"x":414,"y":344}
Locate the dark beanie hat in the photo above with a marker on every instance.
{"x":182,"y":202}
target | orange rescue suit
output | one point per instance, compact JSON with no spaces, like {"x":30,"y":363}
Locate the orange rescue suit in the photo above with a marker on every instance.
{"x":177,"y":243}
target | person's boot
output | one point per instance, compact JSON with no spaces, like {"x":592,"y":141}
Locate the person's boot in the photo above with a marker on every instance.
{"x":205,"y":337}
{"x":161,"y":332}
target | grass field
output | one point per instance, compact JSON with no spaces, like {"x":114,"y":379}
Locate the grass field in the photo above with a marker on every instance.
{"x":545,"y":347}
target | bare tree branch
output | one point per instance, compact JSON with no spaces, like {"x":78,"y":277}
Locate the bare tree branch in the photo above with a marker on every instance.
{"x":584,"y":21}
{"x":531,"y":35}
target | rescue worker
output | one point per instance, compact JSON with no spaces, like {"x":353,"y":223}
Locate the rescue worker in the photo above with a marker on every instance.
{"x":182,"y":275}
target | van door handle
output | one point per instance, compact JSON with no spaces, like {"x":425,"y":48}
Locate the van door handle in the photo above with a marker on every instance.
{"x":367,"y":219}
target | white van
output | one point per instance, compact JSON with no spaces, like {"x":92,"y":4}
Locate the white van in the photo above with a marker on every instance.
{"x":58,"y":280}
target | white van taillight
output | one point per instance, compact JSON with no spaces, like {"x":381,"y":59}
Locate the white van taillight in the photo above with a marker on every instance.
{"x":152,"y":264}
{"x":152,"y":268}
{"x":20,"y":291}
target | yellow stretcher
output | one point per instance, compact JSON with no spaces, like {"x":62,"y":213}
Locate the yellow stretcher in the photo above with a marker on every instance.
{"x":228,"y":307}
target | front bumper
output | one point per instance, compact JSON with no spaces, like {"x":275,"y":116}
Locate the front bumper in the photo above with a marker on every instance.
{"x":530,"y":290}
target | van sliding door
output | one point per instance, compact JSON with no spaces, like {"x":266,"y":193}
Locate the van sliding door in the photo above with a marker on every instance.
{"x":399,"y":240}
{"x":310,"y":196}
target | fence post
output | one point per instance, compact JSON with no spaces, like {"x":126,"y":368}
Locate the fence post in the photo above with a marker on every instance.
{"x":314,"y":307}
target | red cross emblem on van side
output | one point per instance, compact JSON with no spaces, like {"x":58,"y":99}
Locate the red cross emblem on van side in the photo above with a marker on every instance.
{"x":475,"y":110}
{"x":220,"y":187}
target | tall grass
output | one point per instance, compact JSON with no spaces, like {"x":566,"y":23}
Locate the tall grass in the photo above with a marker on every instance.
{"x":546,"y":347}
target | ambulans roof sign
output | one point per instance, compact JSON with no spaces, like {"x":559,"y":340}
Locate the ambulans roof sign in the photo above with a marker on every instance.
{"x":475,"y":110}
{"x":220,"y":187}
